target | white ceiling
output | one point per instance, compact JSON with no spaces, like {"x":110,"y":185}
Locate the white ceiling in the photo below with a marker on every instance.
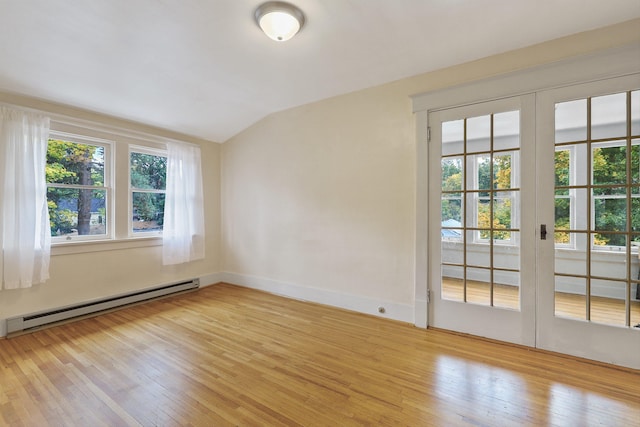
{"x":203,"y":68}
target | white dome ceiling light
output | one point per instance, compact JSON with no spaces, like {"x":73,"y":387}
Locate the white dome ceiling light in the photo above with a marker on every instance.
{"x":279,"y":20}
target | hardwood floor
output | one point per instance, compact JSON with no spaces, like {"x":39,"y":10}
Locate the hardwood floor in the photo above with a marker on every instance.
{"x":229,"y":356}
{"x":608,"y":311}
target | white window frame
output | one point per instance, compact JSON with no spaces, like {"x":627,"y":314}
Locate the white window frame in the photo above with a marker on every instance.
{"x":534,"y":81}
{"x":595,"y":145}
{"x":142,"y":150}
{"x":587,"y":176}
{"x":572,"y":245}
{"x":460,"y":198}
{"x":515,"y":171}
{"x":108,"y":147}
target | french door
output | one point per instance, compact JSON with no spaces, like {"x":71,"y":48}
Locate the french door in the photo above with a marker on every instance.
{"x":535,"y":220}
{"x":482,"y":174}
{"x":589,"y":194}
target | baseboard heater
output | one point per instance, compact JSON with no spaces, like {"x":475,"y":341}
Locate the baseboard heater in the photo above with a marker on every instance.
{"x":36,"y":320}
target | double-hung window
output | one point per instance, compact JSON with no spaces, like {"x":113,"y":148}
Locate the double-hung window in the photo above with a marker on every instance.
{"x":609,"y":201}
{"x":112,"y":187}
{"x":452,"y":204}
{"x":494,"y":203}
{"x":148,"y":176}
{"x":79,"y":190}
{"x":565,"y":196}
{"x":597,"y":169}
{"x":480,"y":174}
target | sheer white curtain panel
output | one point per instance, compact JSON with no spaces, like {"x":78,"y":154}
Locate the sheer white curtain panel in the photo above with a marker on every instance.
{"x":183,"y":230}
{"x":25,"y":231}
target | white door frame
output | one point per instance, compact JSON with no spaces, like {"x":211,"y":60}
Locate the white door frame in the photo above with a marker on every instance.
{"x":610,"y":344}
{"x":516,"y":326}
{"x":606,"y":64}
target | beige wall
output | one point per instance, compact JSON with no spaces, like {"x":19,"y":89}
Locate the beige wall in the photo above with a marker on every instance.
{"x":102,"y":271}
{"x":320,"y":199}
{"x":322,"y":196}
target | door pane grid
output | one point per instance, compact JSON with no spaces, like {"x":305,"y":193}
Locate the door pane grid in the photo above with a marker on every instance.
{"x":480,"y":175}
{"x":607,"y":282}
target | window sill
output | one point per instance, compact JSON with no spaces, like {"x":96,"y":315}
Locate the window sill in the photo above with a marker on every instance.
{"x":578,"y":254}
{"x":481,"y":245}
{"x":70,"y":248}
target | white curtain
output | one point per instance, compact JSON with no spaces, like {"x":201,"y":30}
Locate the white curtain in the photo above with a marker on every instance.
{"x":183,"y":230}
{"x":24,"y":216}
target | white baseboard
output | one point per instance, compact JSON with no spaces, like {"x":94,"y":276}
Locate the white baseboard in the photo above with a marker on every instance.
{"x":360,"y":304}
{"x":420,"y":316}
{"x":395,"y":311}
{"x":210,"y":279}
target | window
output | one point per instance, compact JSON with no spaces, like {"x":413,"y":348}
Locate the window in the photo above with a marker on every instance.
{"x":597,"y":169}
{"x":112,"y":188}
{"x":486,"y":148}
{"x":494,"y":174}
{"x":80,"y":192}
{"x":609,"y":200}
{"x":451,"y":208}
{"x":78,"y":187}
{"x":564,"y":196}
{"x":148,"y":172}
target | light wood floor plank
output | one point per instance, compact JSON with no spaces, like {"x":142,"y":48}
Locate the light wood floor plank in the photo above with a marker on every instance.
{"x":229,"y":356}
{"x":610,"y":311}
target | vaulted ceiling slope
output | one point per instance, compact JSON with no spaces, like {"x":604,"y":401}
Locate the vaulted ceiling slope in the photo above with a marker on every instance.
{"x":203,"y":67}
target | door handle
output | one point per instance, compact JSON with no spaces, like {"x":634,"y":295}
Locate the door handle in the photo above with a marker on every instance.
{"x":543,"y":231}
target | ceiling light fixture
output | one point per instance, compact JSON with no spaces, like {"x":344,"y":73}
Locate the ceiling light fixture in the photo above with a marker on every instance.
{"x":279,"y":20}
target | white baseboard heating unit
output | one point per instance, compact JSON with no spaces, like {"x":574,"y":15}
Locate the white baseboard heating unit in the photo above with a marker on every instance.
{"x":35,"y":320}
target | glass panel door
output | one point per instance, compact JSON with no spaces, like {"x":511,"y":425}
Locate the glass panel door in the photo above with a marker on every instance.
{"x":479,"y":284}
{"x":597,"y":188}
{"x":590,"y":299}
